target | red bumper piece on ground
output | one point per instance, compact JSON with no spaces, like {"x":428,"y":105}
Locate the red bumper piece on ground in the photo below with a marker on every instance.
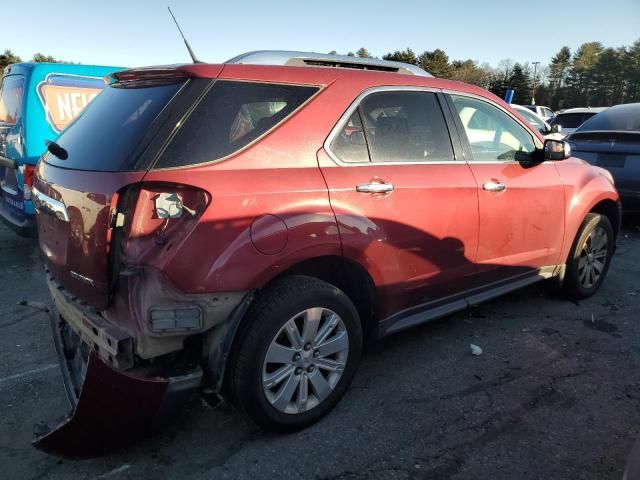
{"x":113,"y":410}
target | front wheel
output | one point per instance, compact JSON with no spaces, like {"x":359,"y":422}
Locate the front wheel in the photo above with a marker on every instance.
{"x":296,"y":354}
{"x":590,"y":257}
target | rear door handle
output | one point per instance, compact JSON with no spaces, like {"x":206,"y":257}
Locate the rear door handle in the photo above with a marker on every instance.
{"x":374,"y":188}
{"x":494,"y":186}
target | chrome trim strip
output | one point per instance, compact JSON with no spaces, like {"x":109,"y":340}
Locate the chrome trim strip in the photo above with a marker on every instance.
{"x":48,"y":205}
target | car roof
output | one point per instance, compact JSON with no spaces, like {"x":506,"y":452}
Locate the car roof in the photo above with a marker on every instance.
{"x":308,"y":75}
{"x":26,"y":67}
{"x":583,"y":110}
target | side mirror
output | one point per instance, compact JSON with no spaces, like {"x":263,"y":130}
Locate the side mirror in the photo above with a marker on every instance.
{"x":556,"y":150}
{"x":556,"y":128}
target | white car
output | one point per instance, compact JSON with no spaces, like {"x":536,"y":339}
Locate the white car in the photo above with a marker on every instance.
{"x":543,"y":112}
{"x":570,"y":119}
{"x":538,"y":123}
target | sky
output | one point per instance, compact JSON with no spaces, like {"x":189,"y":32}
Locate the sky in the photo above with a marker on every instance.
{"x":141,"y":32}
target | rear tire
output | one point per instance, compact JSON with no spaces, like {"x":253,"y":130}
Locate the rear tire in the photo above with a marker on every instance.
{"x":590,"y":257}
{"x":296,"y":355}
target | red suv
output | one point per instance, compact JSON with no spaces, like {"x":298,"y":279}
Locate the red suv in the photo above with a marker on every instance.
{"x":241,"y":229}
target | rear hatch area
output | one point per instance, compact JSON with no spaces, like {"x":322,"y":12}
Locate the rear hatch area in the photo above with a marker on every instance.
{"x":105,"y":152}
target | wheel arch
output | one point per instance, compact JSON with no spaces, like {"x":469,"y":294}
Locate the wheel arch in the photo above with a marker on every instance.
{"x":348,"y":276}
{"x":611,"y":210}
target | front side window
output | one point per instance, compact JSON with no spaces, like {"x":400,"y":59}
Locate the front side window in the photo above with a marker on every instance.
{"x":11,"y":99}
{"x":231,"y":116}
{"x":492,"y":134}
{"x":405,"y":127}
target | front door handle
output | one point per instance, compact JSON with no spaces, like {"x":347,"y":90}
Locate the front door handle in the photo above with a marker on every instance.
{"x":494,"y":186}
{"x":374,"y":188}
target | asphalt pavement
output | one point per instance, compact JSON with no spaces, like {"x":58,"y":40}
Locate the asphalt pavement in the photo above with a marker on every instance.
{"x":554,"y":395}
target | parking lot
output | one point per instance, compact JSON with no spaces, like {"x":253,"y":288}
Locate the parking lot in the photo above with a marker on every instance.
{"x":556,"y":394}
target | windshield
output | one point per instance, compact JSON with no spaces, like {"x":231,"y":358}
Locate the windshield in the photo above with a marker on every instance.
{"x":532,"y":119}
{"x":570,"y":120}
{"x":621,"y":118}
{"x":106,"y":133}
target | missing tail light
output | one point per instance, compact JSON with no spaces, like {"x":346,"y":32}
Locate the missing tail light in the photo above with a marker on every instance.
{"x":28,"y":172}
{"x":164,"y":215}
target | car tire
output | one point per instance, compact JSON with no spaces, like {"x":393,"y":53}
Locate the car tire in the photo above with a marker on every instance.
{"x":285,"y":382}
{"x":590,"y":257}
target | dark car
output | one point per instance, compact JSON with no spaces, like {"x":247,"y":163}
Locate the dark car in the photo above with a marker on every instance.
{"x":611,"y":140}
{"x":242,"y":228}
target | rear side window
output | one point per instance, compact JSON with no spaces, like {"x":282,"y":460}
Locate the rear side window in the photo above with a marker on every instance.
{"x":350,"y":144}
{"x":231,"y":116}
{"x":569,"y":120}
{"x":11,"y":99}
{"x":405,"y":127}
{"x":106,"y":133}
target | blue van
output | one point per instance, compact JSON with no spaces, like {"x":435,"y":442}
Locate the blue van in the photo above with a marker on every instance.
{"x":37,"y":102}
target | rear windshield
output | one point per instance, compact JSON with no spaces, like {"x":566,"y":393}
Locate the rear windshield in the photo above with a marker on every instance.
{"x":570,"y":120}
{"x":103,"y":137}
{"x":622,"y":118}
{"x":231,"y":116}
{"x":11,"y":99}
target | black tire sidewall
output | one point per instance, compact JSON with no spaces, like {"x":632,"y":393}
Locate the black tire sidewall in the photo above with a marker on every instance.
{"x":572,"y":284}
{"x":264,"y":325}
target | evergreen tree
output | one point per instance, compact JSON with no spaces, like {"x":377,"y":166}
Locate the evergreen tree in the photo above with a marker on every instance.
{"x":363,"y":53}
{"x":7,"y":58}
{"x":406,"y":56}
{"x":40,"y":58}
{"x":520,"y":82}
{"x":436,"y":63}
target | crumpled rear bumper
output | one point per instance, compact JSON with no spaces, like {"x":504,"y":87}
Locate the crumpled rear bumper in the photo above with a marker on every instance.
{"x":109,"y":408}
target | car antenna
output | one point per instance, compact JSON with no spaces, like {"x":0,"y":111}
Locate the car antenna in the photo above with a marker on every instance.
{"x":193,"y":55}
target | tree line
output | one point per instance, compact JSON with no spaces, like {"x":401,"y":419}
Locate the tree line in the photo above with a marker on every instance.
{"x":590,"y":76}
{"x":8,"y":57}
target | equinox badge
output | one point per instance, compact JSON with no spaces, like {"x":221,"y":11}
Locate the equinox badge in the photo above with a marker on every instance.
{"x":82,"y":278}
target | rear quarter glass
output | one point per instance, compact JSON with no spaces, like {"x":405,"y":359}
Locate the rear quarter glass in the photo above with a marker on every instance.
{"x":231,"y":116}
{"x":104,"y":137}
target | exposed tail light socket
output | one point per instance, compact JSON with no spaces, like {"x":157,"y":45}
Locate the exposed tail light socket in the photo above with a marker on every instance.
{"x":171,"y":320}
{"x":28,"y":172}
{"x":170,"y":205}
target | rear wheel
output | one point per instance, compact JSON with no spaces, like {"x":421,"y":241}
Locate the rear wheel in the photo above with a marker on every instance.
{"x":590,"y":257}
{"x":296,"y":355}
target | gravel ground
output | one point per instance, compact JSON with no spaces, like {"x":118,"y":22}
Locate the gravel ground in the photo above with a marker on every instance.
{"x":555,"y":395}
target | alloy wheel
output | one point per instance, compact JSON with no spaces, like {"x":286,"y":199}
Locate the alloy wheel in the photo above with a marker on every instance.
{"x":593,"y":257}
{"x":305,"y":360}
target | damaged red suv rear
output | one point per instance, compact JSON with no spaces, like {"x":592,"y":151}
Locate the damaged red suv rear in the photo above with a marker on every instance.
{"x":239,"y":229}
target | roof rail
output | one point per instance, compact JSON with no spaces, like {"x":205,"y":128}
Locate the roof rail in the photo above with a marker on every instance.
{"x":303,"y":59}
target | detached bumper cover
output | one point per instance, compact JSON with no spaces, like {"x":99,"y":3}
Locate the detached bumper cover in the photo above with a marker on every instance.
{"x":112,"y":409}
